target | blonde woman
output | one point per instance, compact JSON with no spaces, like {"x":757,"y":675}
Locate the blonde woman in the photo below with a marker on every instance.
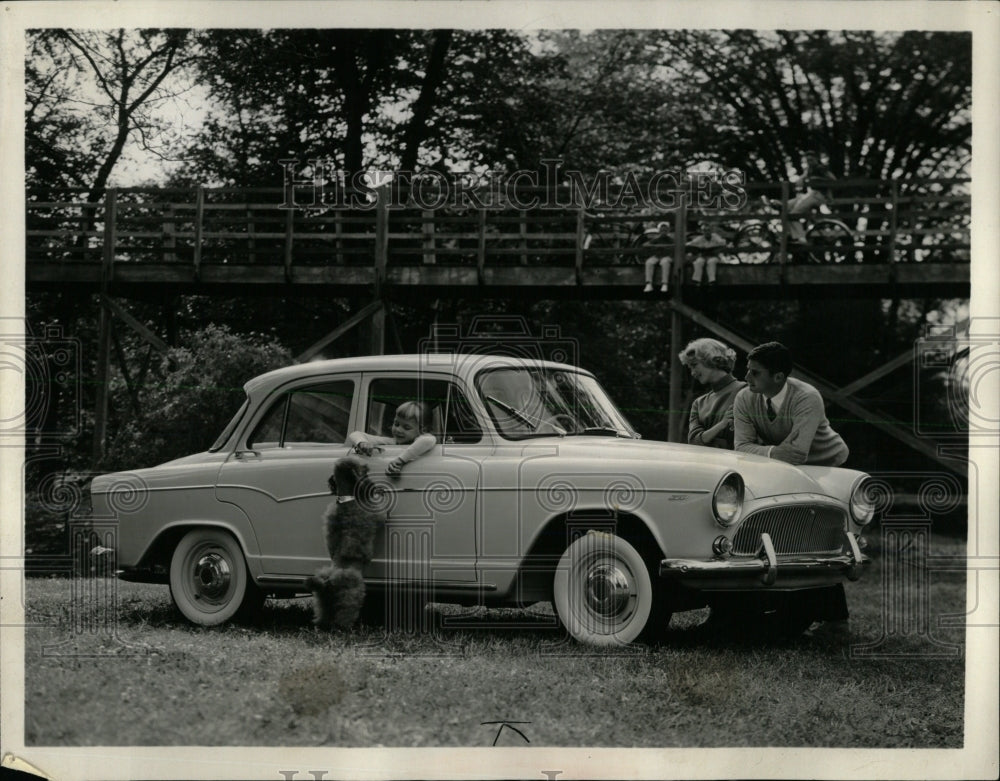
{"x":711,"y":419}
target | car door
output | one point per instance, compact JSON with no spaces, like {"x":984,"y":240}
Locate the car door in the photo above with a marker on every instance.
{"x":278,"y":473}
{"x":430,"y":531}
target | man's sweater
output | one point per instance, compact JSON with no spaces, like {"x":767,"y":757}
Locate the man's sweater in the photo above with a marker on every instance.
{"x":800,"y":434}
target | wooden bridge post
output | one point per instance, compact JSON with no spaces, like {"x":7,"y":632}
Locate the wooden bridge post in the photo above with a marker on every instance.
{"x":675,"y":421}
{"x":110,"y":236}
{"x":381,"y":260}
{"x":169,"y":234}
{"x":104,"y":327}
{"x":481,"y":246}
{"x":580,"y":238}
{"x":428,"y":230}
{"x":199,"y":216}
{"x":103,"y":380}
{"x":893,"y":226}
{"x":289,"y":237}
{"x":783,"y":238}
{"x":522,"y":232}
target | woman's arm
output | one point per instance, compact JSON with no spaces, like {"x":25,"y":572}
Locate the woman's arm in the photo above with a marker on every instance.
{"x":696,"y":430}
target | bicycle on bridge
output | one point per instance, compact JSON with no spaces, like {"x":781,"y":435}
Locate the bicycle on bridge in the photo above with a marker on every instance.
{"x":827,"y":239}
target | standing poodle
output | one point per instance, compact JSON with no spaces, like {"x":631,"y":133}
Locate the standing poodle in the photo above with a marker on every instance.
{"x":350,"y":526}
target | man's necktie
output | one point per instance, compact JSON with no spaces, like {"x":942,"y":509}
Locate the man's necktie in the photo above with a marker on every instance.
{"x":771,"y":414}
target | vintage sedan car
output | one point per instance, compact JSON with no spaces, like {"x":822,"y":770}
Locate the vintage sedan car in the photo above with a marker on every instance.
{"x":538,"y":489}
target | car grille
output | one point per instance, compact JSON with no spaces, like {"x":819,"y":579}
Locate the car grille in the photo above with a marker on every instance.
{"x":793,"y":530}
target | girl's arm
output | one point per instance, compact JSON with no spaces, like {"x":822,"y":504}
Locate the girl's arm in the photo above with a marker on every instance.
{"x":365,"y":443}
{"x":417,"y":448}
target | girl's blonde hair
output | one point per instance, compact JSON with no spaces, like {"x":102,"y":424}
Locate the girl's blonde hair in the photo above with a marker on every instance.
{"x":709,"y":352}
{"x":416,"y":411}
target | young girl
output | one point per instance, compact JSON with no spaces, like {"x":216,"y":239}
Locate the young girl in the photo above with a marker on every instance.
{"x":409,"y":427}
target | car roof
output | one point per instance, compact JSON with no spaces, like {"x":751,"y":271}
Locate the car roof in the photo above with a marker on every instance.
{"x":461,"y":364}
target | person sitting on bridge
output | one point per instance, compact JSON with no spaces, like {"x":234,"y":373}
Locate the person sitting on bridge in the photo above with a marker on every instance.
{"x":706,"y":245}
{"x":659,"y":246}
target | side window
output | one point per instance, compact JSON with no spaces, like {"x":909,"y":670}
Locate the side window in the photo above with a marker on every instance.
{"x":315,"y":415}
{"x":451,"y":418}
{"x":461,"y":424}
{"x":268,"y":431}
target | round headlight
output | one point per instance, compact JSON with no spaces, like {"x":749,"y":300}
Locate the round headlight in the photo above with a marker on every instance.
{"x":727,"y":501}
{"x":862,"y":502}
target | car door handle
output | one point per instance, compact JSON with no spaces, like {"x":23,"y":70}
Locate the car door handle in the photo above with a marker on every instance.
{"x":242,"y":455}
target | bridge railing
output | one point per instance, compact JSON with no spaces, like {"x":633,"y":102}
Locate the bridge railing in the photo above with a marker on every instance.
{"x":880,"y":222}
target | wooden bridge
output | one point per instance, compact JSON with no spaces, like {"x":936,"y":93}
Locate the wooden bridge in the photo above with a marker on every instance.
{"x":876,"y":239}
{"x":889,"y":241}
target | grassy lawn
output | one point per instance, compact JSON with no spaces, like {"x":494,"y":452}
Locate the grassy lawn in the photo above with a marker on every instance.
{"x":156,"y":680}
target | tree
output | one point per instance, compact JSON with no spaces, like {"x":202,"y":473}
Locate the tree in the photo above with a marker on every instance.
{"x":361,"y":98}
{"x":90,"y":92}
{"x":878,"y":105}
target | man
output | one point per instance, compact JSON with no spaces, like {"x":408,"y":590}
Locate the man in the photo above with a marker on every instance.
{"x":783,"y":418}
{"x":780,"y":417}
{"x":815,"y":186}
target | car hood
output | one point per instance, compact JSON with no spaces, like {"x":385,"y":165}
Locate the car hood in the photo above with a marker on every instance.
{"x":763,"y":476}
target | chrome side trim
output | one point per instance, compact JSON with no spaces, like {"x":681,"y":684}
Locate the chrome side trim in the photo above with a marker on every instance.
{"x":299,"y":580}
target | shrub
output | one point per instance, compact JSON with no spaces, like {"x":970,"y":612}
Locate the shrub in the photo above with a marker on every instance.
{"x":200,"y":390}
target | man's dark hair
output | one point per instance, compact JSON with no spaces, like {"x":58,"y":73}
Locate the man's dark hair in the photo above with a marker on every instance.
{"x":773,"y":356}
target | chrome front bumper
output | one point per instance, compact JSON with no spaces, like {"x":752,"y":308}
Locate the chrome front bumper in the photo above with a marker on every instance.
{"x":766,"y":566}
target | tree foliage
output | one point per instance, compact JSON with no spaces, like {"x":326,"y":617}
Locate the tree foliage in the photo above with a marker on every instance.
{"x":200,"y":387}
{"x":877,"y":105}
{"x":361,"y":98}
{"x":88,"y":93}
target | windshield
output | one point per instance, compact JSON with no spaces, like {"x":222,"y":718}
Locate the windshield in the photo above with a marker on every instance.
{"x":549,"y":402}
{"x":228,"y":430}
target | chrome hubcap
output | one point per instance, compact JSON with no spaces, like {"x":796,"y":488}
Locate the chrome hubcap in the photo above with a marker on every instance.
{"x":607,"y":590}
{"x":211,"y":576}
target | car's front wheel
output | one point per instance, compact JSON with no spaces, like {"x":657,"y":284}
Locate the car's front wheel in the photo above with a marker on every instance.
{"x":604,"y":594}
{"x":209,"y":581}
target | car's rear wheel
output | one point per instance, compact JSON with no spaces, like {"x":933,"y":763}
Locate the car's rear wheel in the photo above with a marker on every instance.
{"x":209,"y":581}
{"x":604,"y":594}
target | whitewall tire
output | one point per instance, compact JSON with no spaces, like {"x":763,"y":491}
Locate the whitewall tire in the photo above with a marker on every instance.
{"x":602,"y":592}
{"x":209,"y":581}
